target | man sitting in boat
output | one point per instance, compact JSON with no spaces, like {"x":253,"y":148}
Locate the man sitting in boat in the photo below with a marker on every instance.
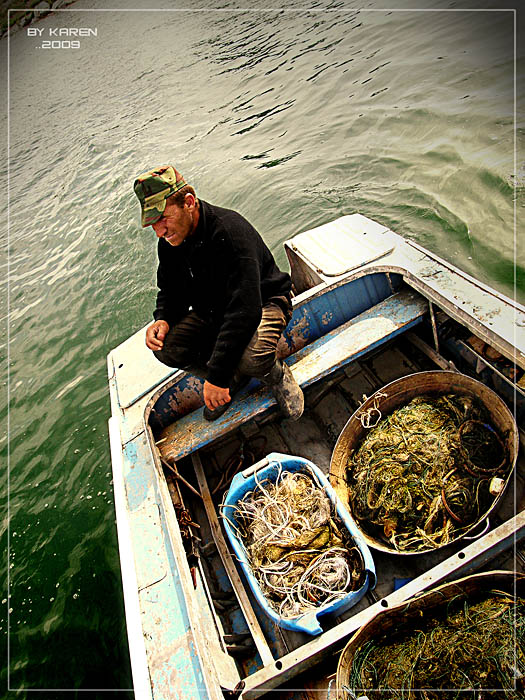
{"x":222,"y":303}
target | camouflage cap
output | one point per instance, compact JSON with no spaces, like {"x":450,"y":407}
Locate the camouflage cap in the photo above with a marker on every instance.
{"x":153,"y":188}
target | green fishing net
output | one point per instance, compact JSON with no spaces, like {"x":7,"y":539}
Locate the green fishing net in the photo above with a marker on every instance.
{"x":474,"y":649}
{"x":424,"y":474}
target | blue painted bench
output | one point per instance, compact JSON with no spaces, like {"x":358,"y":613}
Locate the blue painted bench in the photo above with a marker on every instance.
{"x":342,"y":345}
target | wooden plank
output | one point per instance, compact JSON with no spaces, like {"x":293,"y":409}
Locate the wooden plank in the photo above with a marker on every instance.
{"x":423,"y":347}
{"x":361,"y":334}
{"x":224,"y":664}
{"x":227,"y":561}
{"x":313,"y":362}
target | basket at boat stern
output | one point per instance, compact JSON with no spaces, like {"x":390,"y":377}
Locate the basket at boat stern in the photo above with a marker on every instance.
{"x":414,"y":614}
{"x":269,"y":470}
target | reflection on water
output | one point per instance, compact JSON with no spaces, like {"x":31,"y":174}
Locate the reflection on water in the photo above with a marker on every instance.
{"x":294,"y":118}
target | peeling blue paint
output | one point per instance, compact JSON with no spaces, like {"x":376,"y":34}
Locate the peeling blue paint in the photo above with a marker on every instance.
{"x":137,"y":475}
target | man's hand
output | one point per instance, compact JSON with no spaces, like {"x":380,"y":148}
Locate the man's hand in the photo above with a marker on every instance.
{"x":215,"y":396}
{"x":155,"y":335}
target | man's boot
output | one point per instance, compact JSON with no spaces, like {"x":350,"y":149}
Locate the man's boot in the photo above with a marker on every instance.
{"x":288,"y":393}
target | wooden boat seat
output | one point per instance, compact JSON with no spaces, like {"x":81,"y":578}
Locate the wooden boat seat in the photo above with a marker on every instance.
{"x":330,"y":352}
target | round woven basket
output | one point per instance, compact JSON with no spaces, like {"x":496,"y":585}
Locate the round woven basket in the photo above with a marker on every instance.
{"x":400,"y":392}
{"x":396,"y":618}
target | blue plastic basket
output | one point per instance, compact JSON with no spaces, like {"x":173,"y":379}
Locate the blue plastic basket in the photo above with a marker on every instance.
{"x":269,"y":468}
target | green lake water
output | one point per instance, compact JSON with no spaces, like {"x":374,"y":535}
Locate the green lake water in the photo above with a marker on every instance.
{"x":292,"y":117}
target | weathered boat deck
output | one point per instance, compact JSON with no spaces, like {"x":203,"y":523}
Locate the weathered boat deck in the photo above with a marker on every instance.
{"x":329,"y":404}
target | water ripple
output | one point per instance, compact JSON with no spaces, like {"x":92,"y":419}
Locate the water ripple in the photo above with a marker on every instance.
{"x":405,"y":120}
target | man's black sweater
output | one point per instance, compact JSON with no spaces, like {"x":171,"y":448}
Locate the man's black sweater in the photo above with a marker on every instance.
{"x":225,"y":272}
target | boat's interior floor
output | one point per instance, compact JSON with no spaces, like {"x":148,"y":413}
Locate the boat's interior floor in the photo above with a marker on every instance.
{"x":328,"y":406}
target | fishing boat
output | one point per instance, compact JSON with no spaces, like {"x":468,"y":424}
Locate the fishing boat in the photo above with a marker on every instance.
{"x":370,"y":308}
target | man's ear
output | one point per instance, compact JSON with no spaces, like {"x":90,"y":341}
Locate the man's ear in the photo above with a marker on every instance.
{"x":189,"y":200}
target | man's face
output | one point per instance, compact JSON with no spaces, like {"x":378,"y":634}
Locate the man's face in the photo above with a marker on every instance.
{"x":177,"y":222}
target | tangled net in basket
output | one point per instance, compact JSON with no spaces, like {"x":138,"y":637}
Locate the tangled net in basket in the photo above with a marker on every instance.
{"x":422,"y":476}
{"x":300,"y":553}
{"x":475,"y":649}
